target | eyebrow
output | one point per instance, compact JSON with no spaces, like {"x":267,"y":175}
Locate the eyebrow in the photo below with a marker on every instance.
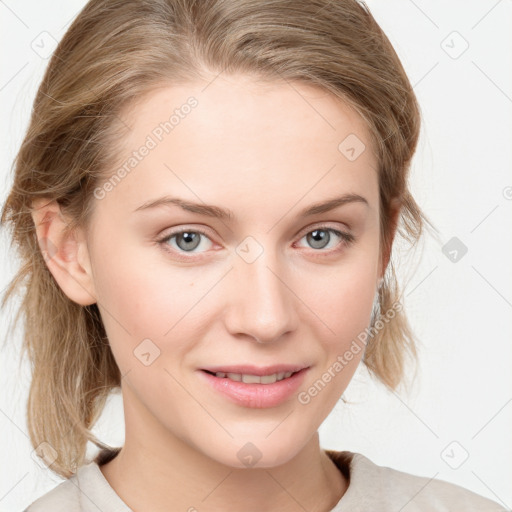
{"x":223,"y":213}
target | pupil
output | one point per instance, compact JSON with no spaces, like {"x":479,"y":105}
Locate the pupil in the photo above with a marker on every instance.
{"x":189,"y":237}
{"x":319,"y":236}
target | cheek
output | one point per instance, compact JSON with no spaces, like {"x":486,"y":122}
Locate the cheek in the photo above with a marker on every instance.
{"x":346,"y":310}
{"x":145,"y":298}
{"x":344,"y":305}
{"x":343,"y":296}
{"x":351,"y":302}
{"x":342,"y":300}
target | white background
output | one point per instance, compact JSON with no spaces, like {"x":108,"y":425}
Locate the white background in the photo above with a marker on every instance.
{"x":461,"y":311}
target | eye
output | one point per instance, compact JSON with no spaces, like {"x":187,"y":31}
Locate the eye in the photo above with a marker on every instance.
{"x":186,"y":240}
{"x":320,"y":237}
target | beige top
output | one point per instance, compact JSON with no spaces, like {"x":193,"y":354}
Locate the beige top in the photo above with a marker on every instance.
{"x":372,"y":488}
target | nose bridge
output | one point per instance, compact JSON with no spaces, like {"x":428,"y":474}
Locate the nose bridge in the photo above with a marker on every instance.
{"x":262,"y":305}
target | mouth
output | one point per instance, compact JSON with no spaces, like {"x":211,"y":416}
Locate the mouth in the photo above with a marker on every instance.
{"x":248,"y":378}
{"x":254,"y":387}
{"x":249,"y":374}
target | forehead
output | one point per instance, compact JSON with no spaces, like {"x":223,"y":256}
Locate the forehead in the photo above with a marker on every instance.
{"x":245,"y":142}
{"x":236,"y":107}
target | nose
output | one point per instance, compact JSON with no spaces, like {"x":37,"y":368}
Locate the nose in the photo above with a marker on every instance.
{"x":261,"y":304}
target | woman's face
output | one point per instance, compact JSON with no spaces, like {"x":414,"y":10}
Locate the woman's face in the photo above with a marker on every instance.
{"x":266,"y":286}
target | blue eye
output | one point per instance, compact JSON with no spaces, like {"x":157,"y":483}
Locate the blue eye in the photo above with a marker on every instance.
{"x":320,"y":237}
{"x":188,"y":240}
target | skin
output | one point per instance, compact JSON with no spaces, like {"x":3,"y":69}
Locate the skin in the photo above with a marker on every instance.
{"x":265,"y":151}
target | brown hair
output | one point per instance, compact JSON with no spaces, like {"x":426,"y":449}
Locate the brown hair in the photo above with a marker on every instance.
{"x":117,"y":51}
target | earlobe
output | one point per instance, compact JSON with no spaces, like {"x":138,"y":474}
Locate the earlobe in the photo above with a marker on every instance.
{"x":66,"y":255}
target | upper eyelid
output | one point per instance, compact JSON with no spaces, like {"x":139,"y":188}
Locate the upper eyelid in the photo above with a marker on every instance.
{"x":177,"y":231}
{"x":325,"y":225}
{"x":302,"y":232}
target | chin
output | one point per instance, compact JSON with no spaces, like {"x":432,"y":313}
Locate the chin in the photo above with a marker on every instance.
{"x":257,"y":452}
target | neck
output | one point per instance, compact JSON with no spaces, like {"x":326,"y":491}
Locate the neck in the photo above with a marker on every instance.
{"x":152,"y":471}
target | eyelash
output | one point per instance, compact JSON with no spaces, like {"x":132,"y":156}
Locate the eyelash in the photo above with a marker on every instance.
{"x":346,"y":240}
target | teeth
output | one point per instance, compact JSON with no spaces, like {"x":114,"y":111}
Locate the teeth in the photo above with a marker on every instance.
{"x":252,"y":379}
{"x":255,"y":379}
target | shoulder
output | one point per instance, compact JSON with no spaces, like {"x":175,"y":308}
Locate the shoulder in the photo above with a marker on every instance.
{"x":86,"y":490}
{"x":62,"y":498}
{"x":390,"y":489}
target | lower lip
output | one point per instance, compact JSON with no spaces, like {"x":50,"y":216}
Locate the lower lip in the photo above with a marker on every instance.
{"x":256,"y":395}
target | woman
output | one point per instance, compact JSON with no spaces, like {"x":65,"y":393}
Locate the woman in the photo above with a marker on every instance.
{"x":274,"y":138}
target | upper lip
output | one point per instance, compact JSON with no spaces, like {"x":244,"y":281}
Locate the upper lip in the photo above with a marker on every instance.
{"x":248,"y":369}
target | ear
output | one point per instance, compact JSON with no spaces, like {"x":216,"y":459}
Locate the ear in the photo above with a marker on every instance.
{"x":66,"y":255}
{"x":394,"y":213}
